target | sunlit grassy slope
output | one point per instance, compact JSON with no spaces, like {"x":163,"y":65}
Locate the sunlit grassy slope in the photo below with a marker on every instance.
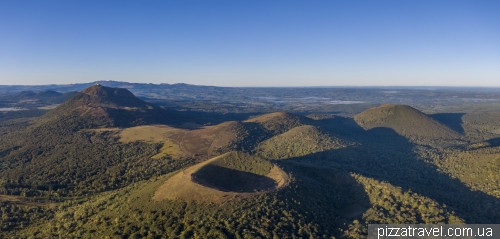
{"x":298,"y":141}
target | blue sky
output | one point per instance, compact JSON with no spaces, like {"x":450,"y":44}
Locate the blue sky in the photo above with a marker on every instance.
{"x":252,"y":43}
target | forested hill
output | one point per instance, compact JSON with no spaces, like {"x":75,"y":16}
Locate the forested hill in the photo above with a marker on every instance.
{"x":61,"y":152}
{"x":406,"y":121}
{"x":104,"y":106}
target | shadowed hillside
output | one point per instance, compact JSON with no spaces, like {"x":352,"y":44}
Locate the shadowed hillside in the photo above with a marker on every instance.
{"x":407,"y":122}
{"x":385,"y":156}
{"x":452,"y":120}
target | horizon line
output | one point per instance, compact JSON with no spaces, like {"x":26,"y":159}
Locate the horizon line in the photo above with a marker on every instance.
{"x":273,"y":86}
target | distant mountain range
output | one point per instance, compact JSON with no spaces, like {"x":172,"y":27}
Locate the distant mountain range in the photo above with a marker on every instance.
{"x":346,"y":101}
{"x":130,"y":85}
{"x":82,"y":86}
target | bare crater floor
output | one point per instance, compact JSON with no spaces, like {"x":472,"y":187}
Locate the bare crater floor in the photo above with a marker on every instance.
{"x":184,"y":186}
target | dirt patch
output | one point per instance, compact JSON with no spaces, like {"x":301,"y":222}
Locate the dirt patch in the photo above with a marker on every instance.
{"x":151,"y":134}
{"x":100,"y":130}
{"x":279,"y":176}
{"x":26,"y":201}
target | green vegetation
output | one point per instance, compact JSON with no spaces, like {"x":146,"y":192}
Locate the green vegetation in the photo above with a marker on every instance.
{"x":299,"y":141}
{"x":54,"y":157}
{"x":82,"y":166}
{"x":479,"y":169}
{"x":244,"y":162}
{"x":301,"y":210}
{"x":66,"y":174}
{"x":407,"y":122}
{"x":279,"y":122}
{"x":237,"y":172}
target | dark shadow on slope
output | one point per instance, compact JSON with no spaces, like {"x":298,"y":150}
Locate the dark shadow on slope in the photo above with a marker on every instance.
{"x":332,"y":197}
{"x":355,"y":201}
{"x":452,"y":120}
{"x":226,"y":179}
{"x":493,"y":142}
{"x":386,"y":156}
{"x":256,"y":135}
{"x":179,"y":117}
{"x":490,"y":143}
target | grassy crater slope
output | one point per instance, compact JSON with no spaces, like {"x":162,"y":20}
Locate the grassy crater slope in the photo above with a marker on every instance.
{"x":299,"y":141}
{"x":237,"y":172}
{"x":406,"y":121}
{"x":279,"y":122}
{"x":233,"y":175}
{"x":244,"y":162}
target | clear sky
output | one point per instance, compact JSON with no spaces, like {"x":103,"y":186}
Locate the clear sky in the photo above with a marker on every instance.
{"x":251,"y":43}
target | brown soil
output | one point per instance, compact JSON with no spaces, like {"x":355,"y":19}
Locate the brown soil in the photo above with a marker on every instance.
{"x":24,"y":201}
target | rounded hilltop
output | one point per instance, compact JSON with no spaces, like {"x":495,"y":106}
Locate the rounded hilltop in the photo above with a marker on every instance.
{"x":103,"y":91}
{"x":98,"y":106}
{"x":406,"y":121}
{"x":299,"y":141}
{"x":279,"y":122}
{"x":102,"y":96}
